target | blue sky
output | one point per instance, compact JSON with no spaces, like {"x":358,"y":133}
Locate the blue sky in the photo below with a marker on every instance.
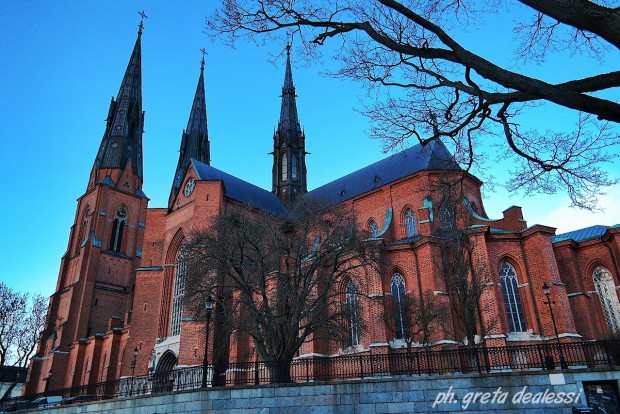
{"x":63,"y":60}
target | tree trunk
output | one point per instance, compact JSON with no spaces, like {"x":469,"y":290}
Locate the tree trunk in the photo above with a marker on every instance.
{"x":280,"y":371}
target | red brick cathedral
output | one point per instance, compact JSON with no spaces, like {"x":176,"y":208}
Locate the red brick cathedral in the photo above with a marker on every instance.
{"x":120,"y":285}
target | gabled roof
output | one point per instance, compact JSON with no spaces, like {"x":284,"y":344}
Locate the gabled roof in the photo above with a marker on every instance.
{"x":433,"y":156}
{"x":580,"y":235}
{"x":242,"y":191}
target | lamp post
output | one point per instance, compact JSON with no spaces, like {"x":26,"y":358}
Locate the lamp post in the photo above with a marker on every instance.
{"x":133,"y":369}
{"x":547,"y":290}
{"x":205,"y":362}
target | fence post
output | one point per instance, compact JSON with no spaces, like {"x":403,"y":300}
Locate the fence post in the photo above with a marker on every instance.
{"x":307,"y":369}
{"x":607,"y":354}
{"x":256,"y":376}
{"x":361,"y":366}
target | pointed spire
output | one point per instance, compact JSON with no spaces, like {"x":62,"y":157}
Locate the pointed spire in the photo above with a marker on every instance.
{"x":122,"y":140}
{"x":289,"y":144}
{"x":195,"y":139}
{"x":288,"y":112}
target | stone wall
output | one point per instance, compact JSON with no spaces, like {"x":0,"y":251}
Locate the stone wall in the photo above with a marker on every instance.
{"x":445,"y":394}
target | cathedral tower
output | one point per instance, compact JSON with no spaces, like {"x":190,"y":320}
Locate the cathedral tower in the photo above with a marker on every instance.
{"x":195,"y":138}
{"x":96,"y":279}
{"x":289,"y":145}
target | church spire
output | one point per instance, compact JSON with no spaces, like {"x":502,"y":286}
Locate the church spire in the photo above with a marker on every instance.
{"x":289,"y":144}
{"x":122,"y":140}
{"x":195,"y":138}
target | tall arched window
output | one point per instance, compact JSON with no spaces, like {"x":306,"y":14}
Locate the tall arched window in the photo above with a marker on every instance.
{"x":411,"y":226}
{"x":512,"y":298}
{"x":284,"y":167}
{"x":373,"y":228}
{"x":83,"y":232}
{"x":120,"y":218}
{"x":353,"y":310}
{"x":294,"y":162}
{"x":397,"y":284}
{"x":606,"y":289}
{"x":177,"y":296}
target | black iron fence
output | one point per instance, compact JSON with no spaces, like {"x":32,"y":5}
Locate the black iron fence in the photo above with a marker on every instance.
{"x":418,"y":361}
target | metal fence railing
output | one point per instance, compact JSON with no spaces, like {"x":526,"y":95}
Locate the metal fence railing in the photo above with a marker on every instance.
{"x":418,"y":361}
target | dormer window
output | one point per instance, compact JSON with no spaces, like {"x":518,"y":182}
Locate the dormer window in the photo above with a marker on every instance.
{"x":373,"y":228}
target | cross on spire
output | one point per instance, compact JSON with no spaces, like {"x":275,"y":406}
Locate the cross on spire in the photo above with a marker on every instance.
{"x":202,"y":62}
{"x":141,"y":25}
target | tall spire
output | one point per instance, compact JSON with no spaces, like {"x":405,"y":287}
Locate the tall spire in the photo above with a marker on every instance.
{"x":289,"y":144}
{"x":195,"y":138}
{"x":289,"y":119}
{"x":122,"y":140}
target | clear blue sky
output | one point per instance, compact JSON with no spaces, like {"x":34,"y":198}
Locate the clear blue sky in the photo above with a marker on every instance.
{"x":62,"y":61}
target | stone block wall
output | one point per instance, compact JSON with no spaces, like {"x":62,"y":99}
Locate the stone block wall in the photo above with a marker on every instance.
{"x":446,"y":394}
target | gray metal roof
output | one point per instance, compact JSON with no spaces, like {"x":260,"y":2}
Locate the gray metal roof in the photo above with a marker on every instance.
{"x":240,"y":190}
{"x":433,"y":156}
{"x":581,"y":234}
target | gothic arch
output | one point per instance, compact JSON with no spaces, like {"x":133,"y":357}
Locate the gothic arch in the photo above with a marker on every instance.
{"x":166,"y":363}
{"x":372,"y":226}
{"x":387,"y":277}
{"x":163,"y":379}
{"x":409,"y":221}
{"x":119,"y":222}
{"x":605,"y":287}
{"x":509,"y":280}
{"x":597,"y":262}
{"x":170,"y":268}
{"x":83,"y":224}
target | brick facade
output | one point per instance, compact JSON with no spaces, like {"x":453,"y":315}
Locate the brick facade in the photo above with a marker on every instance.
{"x":113,"y":299}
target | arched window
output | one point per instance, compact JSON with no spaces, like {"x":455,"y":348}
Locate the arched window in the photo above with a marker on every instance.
{"x":353,"y":311}
{"x":284,"y":167}
{"x":294,"y":162}
{"x":373,"y":228}
{"x":512,"y":298}
{"x":177,"y":296}
{"x":411,"y":226}
{"x":120,"y":218}
{"x":83,"y":232}
{"x":398,"y":301}
{"x":606,"y":289}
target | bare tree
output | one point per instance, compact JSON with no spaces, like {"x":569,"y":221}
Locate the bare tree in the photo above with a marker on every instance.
{"x":416,"y":319}
{"x":282,"y":281}
{"x":464,"y":274}
{"x":430,"y":86}
{"x":21,"y":321}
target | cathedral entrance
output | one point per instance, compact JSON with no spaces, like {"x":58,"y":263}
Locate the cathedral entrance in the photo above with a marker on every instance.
{"x":163,"y":378}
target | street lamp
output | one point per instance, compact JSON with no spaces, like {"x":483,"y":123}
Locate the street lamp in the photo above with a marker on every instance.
{"x":205,"y":363}
{"x":133,"y":369}
{"x":547,"y":291}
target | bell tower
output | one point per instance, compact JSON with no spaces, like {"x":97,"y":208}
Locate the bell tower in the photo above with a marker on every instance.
{"x":95,"y":285}
{"x":289,"y":145}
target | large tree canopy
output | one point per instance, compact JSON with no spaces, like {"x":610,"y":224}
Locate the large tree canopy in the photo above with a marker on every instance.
{"x":279,"y":282}
{"x":429,"y":85}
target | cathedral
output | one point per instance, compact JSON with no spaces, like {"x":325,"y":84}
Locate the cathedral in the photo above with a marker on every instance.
{"x":118,"y":306}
